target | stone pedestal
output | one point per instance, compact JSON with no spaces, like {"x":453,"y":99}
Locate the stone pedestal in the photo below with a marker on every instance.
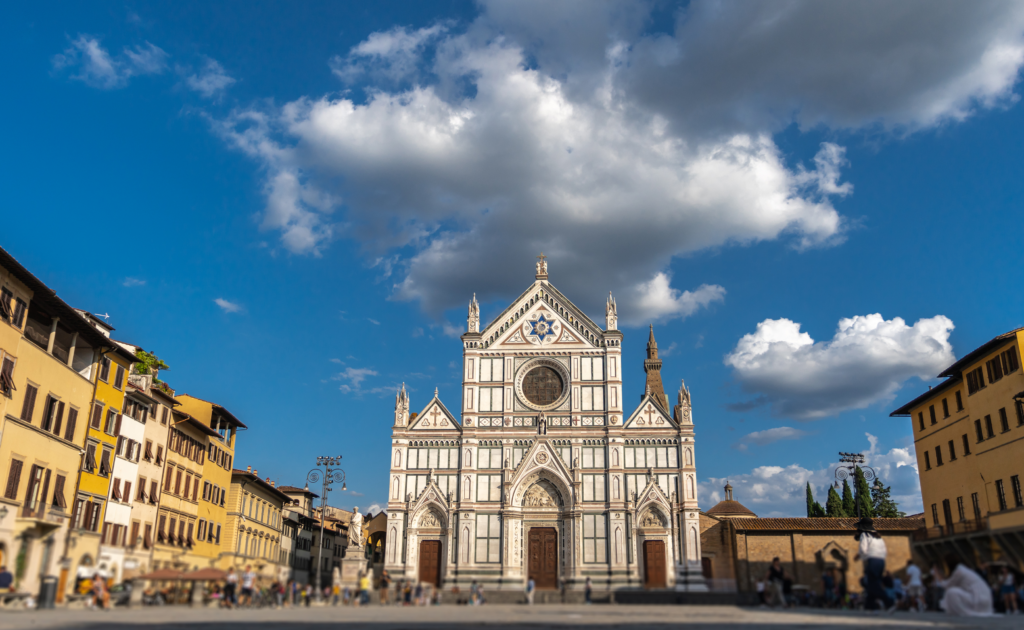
{"x":690,"y":578}
{"x":352,"y":565}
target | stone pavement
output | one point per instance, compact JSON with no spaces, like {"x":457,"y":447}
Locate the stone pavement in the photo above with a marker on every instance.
{"x":498,"y":617}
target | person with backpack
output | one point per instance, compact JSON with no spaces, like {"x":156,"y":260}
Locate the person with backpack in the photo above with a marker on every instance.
{"x":872,"y":552}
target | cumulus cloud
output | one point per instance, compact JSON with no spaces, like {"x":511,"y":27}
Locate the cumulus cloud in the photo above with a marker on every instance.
{"x":778,"y":491}
{"x":566,"y":128}
{"x":133,"y":282}
{"x":229,"y":307}
{"x":761,"y":438}
{"x":98,"y":68}
{"x":865,"y":362}
{"x":211,"y":81}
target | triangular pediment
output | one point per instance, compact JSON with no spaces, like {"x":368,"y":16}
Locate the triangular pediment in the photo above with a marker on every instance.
{"x":431,"y":499}
{"x":542,"y":317}
{"x":649,"y":415}
{"x":653,"y":495}
{"x":435,"y":417}
{"x":541,"y":461}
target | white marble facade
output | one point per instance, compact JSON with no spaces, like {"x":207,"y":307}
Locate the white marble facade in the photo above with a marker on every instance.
{"x":545,"y":464}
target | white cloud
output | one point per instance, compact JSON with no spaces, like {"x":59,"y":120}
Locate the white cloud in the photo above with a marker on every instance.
{"x":336,"y":360}
{"x":133,"y":282}
{"x":561,"y":127}
{"x":865,"y":362}
{"x":97,"y":68}
{"x":417,"y":332}
{"x":373,"y":509}
{"x":229,"y":307}
{"x":373,"y":321}
{"x":355,"y":378}
{"x":761,"y":438}
{"x":777,"y":491}
{"x":211,"y":80}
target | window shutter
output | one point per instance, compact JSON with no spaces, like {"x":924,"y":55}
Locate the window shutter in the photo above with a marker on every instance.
{"x":58,"y":493}
{"x":45,"y":492}
{"x":147,"y":540}
{"x":30,"y":403}
{"x":13,"y":479}
{"x":152,"y":492}
{"x":167,"y":480}
{"x":177,"y":483}
{"x":170,"y":531}
{"x":117,"y":425}
{"x":160,"y":532}
{"x":69,"y":431}
{"x":135,"y":534}
{"x":97,"y":416}
{"x":105,"y":462}
{"x":7,"y":377}
{"x":119,"y":378}
{"x":127,"y":491}
{"x":195,"y":491}
{"x":116,"y":485}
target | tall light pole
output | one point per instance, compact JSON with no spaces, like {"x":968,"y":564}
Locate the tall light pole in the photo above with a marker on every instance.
{"x":853,"y":461}
{"x":331,"y":474}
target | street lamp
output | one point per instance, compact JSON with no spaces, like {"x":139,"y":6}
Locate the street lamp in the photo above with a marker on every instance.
{"x":853,"y":461}
{"x":331,"y":474}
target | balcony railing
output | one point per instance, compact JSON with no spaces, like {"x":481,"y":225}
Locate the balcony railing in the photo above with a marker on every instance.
{"x":942,"y":531}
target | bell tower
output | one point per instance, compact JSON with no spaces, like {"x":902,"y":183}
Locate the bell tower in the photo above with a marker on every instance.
{"x":652,"y":366}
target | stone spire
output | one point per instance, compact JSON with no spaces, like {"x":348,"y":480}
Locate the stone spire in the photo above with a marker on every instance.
{"x":473,"y":321}
{"x":401,"y":407}
{"x":542,"y":267}
{"x":653,"y":368}
{"x":611,"y":314}
{"x":683,"y":412}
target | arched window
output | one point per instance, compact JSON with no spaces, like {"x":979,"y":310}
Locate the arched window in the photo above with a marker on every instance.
{"x":398,"y":458}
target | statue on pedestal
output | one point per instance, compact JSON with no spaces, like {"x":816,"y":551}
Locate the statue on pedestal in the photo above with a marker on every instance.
{"x":355,"y":529}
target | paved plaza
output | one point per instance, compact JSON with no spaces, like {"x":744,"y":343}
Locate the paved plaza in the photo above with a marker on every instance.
{"x":503,"y":617}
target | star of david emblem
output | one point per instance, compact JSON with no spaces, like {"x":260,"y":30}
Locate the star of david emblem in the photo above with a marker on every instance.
{"x":541,"y":328}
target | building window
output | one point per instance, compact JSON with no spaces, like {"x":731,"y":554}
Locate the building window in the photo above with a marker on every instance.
{"x":938,"y":455}
{"x":488,"y":538}
{"x":988,"y":427}
{"x":593,"y":487}
{"x":433,"y":458}
{"x":13,"y":480}
{"x":652,"y":456}
{"x":1001,"y":494}
{"x":1018,"y":500}
{"x":668,"y":483}
{"x":491,"y":399}
{"x":945,"y":408}
{"x":977,"y":430}
{"x":952,"y":451}
{"x":595,"y":538}
{"x":29,"y":404}
{"x":592,"y":398}
{"x":967,"y":445}
{"x":1004,"y":422}
{"x":491,"y":370}
{"x":920,"y":420}
{"x":119,"y":378}
{"x":927,"y":460}
{"x":1009,"y":361}
{"x":488,"y":458}
{"x":592,"y":369}
{"x":931,"y":413}
{"x":488,"y":488}
{"x":105,"y":369}
{"x":592,"y":456}
{"x":935,"y":515}
{"x":975,"y":381}
{"x":1019,"y":404}
{"x":960,"y":508}
{"x":959,"y":402}
{"x":7,"y":376}
{"x":976,"y":505}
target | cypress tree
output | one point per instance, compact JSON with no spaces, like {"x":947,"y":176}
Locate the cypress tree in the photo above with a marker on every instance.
{"x":861,"y":494}
{"x":882,"y":503}
{"x":834,"y":504}
{"x":849,"y":509}
{"x":814,"y":509}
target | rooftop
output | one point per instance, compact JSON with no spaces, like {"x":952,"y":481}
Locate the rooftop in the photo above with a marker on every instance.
{"x":826,"y":524}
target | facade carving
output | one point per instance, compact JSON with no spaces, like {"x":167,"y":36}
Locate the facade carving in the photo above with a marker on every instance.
{"x":543,"y":472}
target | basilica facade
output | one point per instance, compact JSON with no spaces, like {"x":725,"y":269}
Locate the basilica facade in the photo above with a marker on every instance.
{"x":545,"y":472}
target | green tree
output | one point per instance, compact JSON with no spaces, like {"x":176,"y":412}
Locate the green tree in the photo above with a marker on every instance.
{"x":882,"y":503}
{"x":849,"y":508}
{"x":834,"y":504}
{"x":861,"y":495}
{"x":814,"y":509}
{"x":148,"y":362}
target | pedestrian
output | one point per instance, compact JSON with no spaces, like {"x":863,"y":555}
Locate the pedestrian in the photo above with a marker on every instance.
{"x":100,"y":594}
{"x":474,"y":594}
{"x":967,"y":593}
{"x":775,"y":579}
{"x":364,"y":589}
{"x":248,"y":584}
{"x":1008,"y":589}
{"x":230,"y":588}
{"x":759,"y":587}
{"x":531,"y":586}
{"x":385,"y":582}
{"x":6,"y":579}
{"x":417,"y":595}
{"x":307,"y":594}
{"x":915,"y":587}
{"x":588,"y":590}
{"x":872,"y":552}
{"x":407,"y":594}
{"x":336,"y":593}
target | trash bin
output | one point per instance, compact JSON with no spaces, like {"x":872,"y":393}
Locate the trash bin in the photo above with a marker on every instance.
{"x":47,"y":592}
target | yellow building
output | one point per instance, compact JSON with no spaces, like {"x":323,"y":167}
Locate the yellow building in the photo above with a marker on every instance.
{"x":177,"y":525}
{"x":212,"y":513}
{"x":48,"y":369}
{"x":967,"y":433}
{"x":254,"y":526}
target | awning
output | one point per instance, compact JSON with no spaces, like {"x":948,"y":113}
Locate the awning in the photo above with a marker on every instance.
{"x":162,"y":574}
{"x":204,"y":575}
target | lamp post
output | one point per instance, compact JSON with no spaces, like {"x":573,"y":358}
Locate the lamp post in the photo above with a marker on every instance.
{"x":852,"y":461}
{"x":331,"y":474}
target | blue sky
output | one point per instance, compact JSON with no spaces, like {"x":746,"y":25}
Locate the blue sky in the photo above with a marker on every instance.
{"x":292,"y":203}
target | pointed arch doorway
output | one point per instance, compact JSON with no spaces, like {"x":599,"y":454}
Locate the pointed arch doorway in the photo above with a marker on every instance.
{"x":542,"y":557}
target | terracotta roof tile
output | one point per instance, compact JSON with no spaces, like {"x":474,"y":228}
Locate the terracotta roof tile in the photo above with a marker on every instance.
{"x":826,"y":524}
{"x":729,"y":508}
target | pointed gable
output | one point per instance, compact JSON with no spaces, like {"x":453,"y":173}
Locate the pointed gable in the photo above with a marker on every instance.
{"x":435,"y":417}
{"x":542,"y":317}
{"x":649,"y":415}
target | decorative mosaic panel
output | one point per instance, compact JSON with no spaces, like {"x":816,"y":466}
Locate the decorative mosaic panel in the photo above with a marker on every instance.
{"x":559,"y":421}
{"x":488,"y":422}
{"x":524,"y":421}
{"x":593,"y":421}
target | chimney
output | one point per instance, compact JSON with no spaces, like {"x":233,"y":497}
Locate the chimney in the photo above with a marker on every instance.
{"x":248,"y":469}
{"x":273,"y":484}
{"x":256,"y":472}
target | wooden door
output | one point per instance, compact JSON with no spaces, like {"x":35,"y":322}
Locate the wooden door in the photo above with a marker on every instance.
{"x":543,"y":557}
{"x":430,"y":562}
{"x":654,"y":563}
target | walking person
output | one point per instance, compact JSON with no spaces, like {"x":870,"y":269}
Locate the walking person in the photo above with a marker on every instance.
{"x":531,"y":587}
{"x":230,"y":588}
{"x":915,"y":587}
{"x":385,"y":582}
{"x":1008,"y":590}
{"x":872,"y":552}
{"x":248,"y":584}
{"x":588,"y":590}
{"x":364,"y":589}
{"x":775,"y":579}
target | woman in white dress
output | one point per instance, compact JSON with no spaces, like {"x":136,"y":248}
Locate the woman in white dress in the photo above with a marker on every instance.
{"x":967,"y":593}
